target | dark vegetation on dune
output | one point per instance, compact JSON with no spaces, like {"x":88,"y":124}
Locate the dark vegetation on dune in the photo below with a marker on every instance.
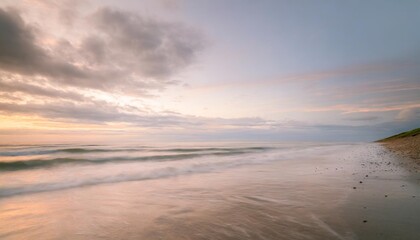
{"x":411,"y":133}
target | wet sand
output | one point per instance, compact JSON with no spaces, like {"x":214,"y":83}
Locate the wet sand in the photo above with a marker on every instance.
{"x":349,"y":192}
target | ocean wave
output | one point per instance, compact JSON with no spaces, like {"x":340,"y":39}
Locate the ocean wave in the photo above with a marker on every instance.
{"x":25,"y":153}
{"x":161,"y":166}
{"x":164,"y":172}
{"x":76,"y":150}
{"x":61,"y":150}
{"x":42,"y":163}
{"x":225,"y":149}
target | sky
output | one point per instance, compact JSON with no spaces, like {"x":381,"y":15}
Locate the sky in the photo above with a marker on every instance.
{"x":179,"y":70}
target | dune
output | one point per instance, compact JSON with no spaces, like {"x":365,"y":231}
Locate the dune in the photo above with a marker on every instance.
{"x":405,"y":144}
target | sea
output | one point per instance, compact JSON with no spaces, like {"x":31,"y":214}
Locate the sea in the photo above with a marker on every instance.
{"x":205,"y":191}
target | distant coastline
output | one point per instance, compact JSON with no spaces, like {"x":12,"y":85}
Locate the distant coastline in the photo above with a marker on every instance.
{"x":406,"y":144}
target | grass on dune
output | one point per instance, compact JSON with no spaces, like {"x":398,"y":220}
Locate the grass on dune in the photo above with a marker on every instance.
{"x":410,"y":133}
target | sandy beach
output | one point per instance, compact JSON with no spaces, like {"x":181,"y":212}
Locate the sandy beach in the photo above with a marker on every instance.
{"x":406,"y":147}
{"x":357,"y":191}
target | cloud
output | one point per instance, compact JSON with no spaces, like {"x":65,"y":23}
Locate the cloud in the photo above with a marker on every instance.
{"x":365,"y":108}
{"x":20,"y":54}
{"x":17,"y":49}
{"x":117,"y":54}
{"x":408,"y":114}
{"x":357,"y":70}
{"x":368,"y":88}
{"x":183,"y":127}
{"x":121,"y":52}
{"x":152,"y":48}
{"x":65,"y":11}
{"x":87,"y":113}
{"x":14,"y":85}
{"x":95,"y":49}
{"x":8,"y":96}
{"x":103,"y":113}
{"x":362,"y":118}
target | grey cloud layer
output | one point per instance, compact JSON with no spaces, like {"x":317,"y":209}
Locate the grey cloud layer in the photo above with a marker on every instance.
{"x":198,"y":128}
{"x":152,"y":48}
{"x":16,"y":86}
{"x":20,"y":54}
{"x":93,"y":113}
{"x":122,"y":51}
{"x":100,"y":112}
